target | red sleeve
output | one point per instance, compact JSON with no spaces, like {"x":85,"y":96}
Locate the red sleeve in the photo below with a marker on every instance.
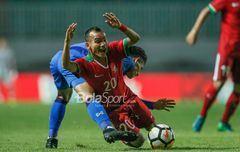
{"x":118,"y":48}
{"x":217,"y":5}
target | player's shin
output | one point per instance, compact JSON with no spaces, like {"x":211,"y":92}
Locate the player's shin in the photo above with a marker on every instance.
{"x":98,"y":114}
{"x":209,"y":98}
{"x":230,"y":107}
{"x":56,"y":117}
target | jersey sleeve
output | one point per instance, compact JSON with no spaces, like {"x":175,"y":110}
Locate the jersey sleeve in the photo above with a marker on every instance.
{"x":82,"y":69}
{"x":119,"y":48}
{"x":216,"y":6}
{"x":77,"y":52}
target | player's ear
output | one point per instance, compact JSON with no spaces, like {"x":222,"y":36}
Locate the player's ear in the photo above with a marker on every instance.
{"x":87,"y":45}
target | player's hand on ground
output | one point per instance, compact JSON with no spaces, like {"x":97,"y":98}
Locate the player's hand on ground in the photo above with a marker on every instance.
{"x":164,"y":104}
{"x":112,"y":20}
{"x":191,"y":38}
{"x":70,"y":32}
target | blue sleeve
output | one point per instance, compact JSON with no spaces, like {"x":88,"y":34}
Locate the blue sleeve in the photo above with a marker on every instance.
{"x":149,"y":104}
{"x":127,"y":64}
{"x":77,"y":51}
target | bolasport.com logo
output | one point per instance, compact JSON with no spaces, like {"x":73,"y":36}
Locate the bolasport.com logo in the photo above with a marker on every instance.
{"x":105,"y":99}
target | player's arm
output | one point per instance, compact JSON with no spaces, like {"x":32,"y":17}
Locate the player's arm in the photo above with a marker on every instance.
{"x":113,"y":21}
{"x":67,"y":64}
{"x":160,"y":104}
{"x":191,"y":38}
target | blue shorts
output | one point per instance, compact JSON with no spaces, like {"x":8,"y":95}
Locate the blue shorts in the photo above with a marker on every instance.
{"x":63,"y":78}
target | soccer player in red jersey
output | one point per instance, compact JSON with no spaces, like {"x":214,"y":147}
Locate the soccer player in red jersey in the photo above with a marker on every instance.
{"x":227,"y":60}
{"x":102,"y":69}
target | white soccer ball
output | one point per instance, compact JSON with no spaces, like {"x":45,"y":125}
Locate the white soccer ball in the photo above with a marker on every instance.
{"x":161,"y":137}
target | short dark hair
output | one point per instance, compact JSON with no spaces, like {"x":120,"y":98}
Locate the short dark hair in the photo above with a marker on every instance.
{"x":94,"y":28}
{"x":136,"y":51}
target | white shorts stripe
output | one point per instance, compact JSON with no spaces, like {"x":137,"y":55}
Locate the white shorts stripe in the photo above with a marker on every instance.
{"x":217,"y":62}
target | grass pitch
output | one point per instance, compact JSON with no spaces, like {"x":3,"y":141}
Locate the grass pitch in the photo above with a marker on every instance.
{"x":24,"y":127}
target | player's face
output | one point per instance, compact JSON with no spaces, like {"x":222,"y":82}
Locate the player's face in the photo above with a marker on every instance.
{"x":97,"y":44}
{"x":139,"y":64}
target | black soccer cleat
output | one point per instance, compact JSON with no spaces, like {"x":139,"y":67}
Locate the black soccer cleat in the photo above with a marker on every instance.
{"x":52,"y":143}
{"x":111,"y":135}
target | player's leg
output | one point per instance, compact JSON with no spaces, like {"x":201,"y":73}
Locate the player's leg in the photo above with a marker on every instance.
{"x":141,"y":112}
{"x":211,"y":93}
{"x":209,"y":98}
{"x":233,"y":99}
{"x":95,"y":110}
{"x":98,"y":114}
{"x":56,"y":116}
{"x":58,"y":111}
{"x":122,"y":121}
{"x":59,"y":105}
{"x":132,"y":116}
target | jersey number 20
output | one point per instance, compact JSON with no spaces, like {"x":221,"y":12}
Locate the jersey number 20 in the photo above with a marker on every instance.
{"x":109,"y":85}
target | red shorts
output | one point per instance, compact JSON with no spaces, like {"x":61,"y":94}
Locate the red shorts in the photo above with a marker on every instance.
{"x":132,"y":116}
{"x":227,"y":59}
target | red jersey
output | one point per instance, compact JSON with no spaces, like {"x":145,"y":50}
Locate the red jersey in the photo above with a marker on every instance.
{"x":230,"y":21}
{"x":107,"y":81}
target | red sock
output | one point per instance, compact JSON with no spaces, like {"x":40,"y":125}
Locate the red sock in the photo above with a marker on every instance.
{"x":230,"y":107}
{"x":208,"y":100}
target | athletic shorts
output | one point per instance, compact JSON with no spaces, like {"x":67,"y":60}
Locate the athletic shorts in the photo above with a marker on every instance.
{"x":132,"y":116}
{"x":63,"y":78}
{"x":228,"y":58}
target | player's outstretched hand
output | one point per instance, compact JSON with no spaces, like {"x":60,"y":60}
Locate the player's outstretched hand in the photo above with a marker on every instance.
{"x":191,"y":38}
{"x":112,"y":20}
{"x":164,"y":104}
{"x":70,"y":32}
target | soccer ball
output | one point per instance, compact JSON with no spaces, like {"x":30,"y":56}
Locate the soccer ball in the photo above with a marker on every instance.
{"x":161,"y":136}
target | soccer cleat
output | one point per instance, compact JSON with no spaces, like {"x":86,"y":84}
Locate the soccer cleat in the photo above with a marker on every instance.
{"x":52,"y":143}
{"x":111,"y":135}
{"x":197,"y":125}
{"x":224,"y":127}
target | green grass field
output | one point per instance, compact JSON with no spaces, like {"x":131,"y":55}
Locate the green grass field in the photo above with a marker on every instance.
{"x":24,"y":128}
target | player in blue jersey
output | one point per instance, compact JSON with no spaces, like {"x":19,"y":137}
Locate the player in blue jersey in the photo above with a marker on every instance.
{"x":65,"y":81}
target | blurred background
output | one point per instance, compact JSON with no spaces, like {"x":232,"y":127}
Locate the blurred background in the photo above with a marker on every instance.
{"x":34,"y":31}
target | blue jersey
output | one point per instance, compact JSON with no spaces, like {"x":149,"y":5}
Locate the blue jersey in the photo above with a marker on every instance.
{"x":64,"y":79}
{"x":77,"y":51}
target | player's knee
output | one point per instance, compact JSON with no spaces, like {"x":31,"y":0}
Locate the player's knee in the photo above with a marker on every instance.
{"x":65,"y":95}
{"x":218,"y":84}
{"x":138,"y":142}
{"x":65,"y":99}
{"x":62,"y":99}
